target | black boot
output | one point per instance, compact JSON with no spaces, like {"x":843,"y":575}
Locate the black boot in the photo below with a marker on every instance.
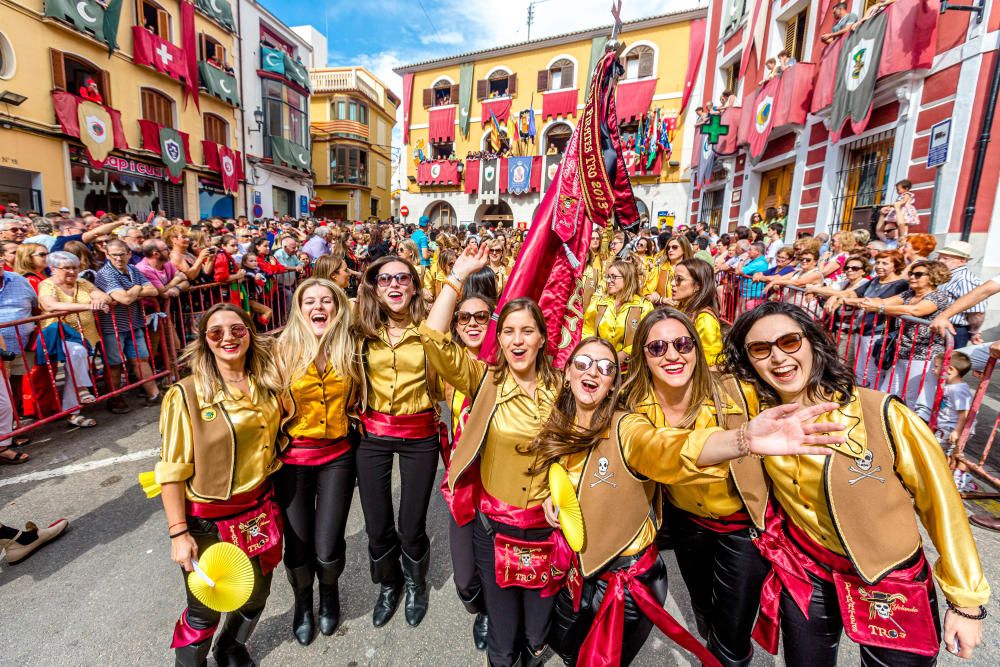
{"x":386,"y":571}
{"x":724,"y":656}
{"x":193,"y":655}
{"x":329,"y":594}
{"x":531,"y":659}
{"x":231,"y":646}
{"x":417,"y":597}
{"x":480,"y":628}
{"x":303,"y":621}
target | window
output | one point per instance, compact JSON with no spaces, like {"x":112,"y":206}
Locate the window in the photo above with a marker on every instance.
{"x":795,"y":34}
{"x":484,"y":143}
{"x":284,"y":114}
{"x":374,"y":207}
{"x":348,"y":165}
{"x":153,"y":18}
{"x":380,"y":175}
{"x":7,"y":60}
{"x":862,"y":181}
{"x":157,"y":107}
{"x":70,"y":73}
{"x":442,"y":214}
{"x":558,"y":76}
{"x":441,"y":93}
{"x":350,"y":110}
{"x":735,"y":9}
{"x":639,"y":62}
{"x":731,"y":77}
{"x":557,"y":137}
{"x":500,"y":83}
{"x":212,"y":50}
{"x":216,"y":129}
{"x":711,"y":208}
{"x":442,"y":151}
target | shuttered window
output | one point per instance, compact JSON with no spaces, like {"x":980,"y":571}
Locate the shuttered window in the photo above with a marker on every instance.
{"x":216,"y":129}
{"x":441,"y":93}
{"x":733,"y":77}
{"x":157,"y":107}
{"x":70,"y":73}
{"x":211,"y":48}
{"x":500,"y":84}
{"x":558,"y":76}
{"x":153,"y":18}
{"x":795,"y":35}
{"x":639,"y":62}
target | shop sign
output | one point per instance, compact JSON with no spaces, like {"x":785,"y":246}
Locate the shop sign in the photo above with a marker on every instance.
{"x":124,"y":165}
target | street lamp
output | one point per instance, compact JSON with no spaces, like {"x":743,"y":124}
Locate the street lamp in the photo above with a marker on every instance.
{"x":258,"y":117}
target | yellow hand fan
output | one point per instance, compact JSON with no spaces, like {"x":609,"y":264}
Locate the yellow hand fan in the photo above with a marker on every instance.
{"x":567,"y":506}
{"x":147,"y":480}
{"x":223,"y":578}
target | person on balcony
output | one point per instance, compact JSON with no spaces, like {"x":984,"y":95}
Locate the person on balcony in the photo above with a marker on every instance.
{"x":844,"y":21}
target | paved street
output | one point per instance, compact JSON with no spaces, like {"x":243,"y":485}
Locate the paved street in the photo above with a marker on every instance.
{"x":107,"y":593}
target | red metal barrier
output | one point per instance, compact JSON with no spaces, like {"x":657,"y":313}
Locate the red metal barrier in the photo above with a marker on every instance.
{"x":959,"y":457}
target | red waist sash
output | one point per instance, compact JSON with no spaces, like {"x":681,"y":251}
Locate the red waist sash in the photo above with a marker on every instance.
{"x":419,"y":426}
{"x":525,"y":518}
{"x":463,"y":501}
{"x":727,"y":524}
{"x":603,"y":645}
{"x":897,"y":608}
{"x":249,"y":520}
{"x":314,"y":451}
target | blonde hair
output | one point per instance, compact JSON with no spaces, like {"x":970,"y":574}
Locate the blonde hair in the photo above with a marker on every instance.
{"x":298,"y":346}
{"x":23,"y":262}
{"x":630,"y":273}
{"x":259,"y":362}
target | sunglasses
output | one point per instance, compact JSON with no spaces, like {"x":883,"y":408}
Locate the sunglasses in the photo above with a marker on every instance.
{"x":658,"y":348}
{"x":385,"y":279}
{"x":216,"y":334}
{"x":918,"y":274}
{"x":605,"y":367}
{"x":854,"y":268}
{"x":761,"y":349}
{"x":39,"y":254}
{"x":673,"y":247}
{"x":481,"y":317}
{"x":496,"y":252}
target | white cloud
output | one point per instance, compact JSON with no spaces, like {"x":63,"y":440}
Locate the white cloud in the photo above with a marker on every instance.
{"x":451,"y":37}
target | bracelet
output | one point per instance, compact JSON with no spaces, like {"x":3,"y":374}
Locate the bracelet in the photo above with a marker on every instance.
{"x":454,"y":285}
{"x":972,"y":617}
{"x":171,"y":526}
{"x":742,"y":444}
{"x":179,"y":533}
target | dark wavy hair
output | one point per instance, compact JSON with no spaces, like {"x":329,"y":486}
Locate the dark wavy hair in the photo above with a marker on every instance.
{"x":482,"y":282}
{"x":707,"y":296}
{"x":830,"y":379}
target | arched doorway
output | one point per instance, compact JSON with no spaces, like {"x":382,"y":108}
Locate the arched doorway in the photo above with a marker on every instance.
{"x":441,"y":213}
{"x":556,"y":137}
{"x":498,"y":214}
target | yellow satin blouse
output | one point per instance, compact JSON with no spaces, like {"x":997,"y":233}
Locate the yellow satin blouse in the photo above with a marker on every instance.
{"x":710,"y":332}
{"x":797,"y":484}
{"x":506,"y":473}
{"x":614,"y":322}
{"x":395,"y":374}
{"x":321,"y":405}
{"x":255,"y":419}
{"x":714,"y":500}
{"x":649,"y":270}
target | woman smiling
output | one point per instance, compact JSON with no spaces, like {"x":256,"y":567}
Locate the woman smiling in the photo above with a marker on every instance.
{"x":615,"y":315}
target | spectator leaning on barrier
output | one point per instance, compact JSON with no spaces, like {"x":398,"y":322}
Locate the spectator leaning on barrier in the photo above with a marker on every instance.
{"x":122,"y":330}
{"x":956,"y":257}
{"x":17,"y":302}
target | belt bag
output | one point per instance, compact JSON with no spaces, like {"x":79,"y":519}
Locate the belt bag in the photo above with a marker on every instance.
{"x":255,"y":531}
{"x":524,"y":563}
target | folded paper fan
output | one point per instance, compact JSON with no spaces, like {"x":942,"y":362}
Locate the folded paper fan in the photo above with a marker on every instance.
{"x":565,"y":500}
{"x":223,"y":578}
{"x":147,"y":480}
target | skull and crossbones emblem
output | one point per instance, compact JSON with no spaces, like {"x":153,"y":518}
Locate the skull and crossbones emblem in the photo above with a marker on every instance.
{"x":882,"y":605}
{"x":602,"y":474}
{"x":253,"y":528}
{"x":864,"y":469}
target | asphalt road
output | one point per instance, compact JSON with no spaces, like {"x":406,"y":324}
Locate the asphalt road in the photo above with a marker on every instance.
{"x":108,"y":594}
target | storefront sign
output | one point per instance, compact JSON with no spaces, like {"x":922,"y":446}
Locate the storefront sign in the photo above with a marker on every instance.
{"x":123,"y":165}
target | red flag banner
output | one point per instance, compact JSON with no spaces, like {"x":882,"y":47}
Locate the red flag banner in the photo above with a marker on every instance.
{"x":442,"y":125}
{"x":158,"y":53}
{"x":190,"y":46}
{"x":559,"y":103}
{"x":150,"y":133}
{"x":471,"y":177}
{"x":795,"y":95}
{"x":826,"y":75}
{"x":407,"y":102}
{"x":696,"y":47}
{"x":499,"y":107}
{"x":226,"y":161}
{"x":762,"y":114}
{"x":66,"y":107}
{"x":438,"y":172}
{"x":910,"y":36}
{"x":633,"y":98}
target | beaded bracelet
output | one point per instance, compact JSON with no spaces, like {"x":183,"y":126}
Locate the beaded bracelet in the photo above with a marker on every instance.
{"x":972,"y":617}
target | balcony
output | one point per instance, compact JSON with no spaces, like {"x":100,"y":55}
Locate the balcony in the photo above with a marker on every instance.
{"x":342,"y":81}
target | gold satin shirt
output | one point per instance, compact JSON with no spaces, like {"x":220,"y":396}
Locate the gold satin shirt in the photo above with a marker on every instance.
{"x":255,"y":420}
{"x":797,"y":484}
{"x":614,"y":322}
{"x":506,"y":473}
{"x":396,"y":380}
{"x":714,"y":500}
{"x":321,"y":405}
{"x":710,"y":332}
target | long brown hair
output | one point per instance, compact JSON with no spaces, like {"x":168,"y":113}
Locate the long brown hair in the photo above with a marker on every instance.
{"x":547,"y":373}
{"x":707,"y":296}
{"x":372,"y":314}
{"x":561,"y":435}
{"x":638,"y":385}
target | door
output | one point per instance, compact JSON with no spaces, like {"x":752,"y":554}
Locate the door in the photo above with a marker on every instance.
{"x":775,"y":188}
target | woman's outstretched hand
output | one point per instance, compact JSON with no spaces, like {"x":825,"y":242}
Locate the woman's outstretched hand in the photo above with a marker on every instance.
{"x":788,"y":430}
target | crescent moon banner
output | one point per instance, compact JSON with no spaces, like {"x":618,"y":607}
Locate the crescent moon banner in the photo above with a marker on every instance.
{"x":219,"y":83}
{"x":89,"y":16}
{"x":219,"y":10}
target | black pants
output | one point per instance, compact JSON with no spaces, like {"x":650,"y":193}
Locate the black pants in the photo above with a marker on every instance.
{"x":519,"y":617}
{"x":418,"y":462}
{"x":724,"y":573}
{"x":814,"y":641}
{"x":962,"y":335}
{"x":315,"y":502}
{"x":463,"y":563}
{"x":569,"y":628}
{"x":200,"y":617}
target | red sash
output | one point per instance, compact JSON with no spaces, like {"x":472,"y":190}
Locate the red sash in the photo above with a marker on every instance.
{"x":895,"y":613}
{"x":603,"y":645}
{"x":249,"y":520}
{"x":185,"y":635}
{"x":464,"y":500}
{"x":419,"y":426}
{"x":728,"y":524}
{"x":314,"y":452}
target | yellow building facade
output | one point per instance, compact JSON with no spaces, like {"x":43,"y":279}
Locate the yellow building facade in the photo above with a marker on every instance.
{"x":352,"y":117}
{"x":545,"y":75}
{"x":54,"y":46}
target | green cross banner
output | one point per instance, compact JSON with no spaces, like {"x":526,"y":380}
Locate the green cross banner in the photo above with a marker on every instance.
{"x":172,"y":152}
{"x":219,"y":83}
{"x":219,"y":10}
{"x":291,"y":153}
{"x":272,"y":60}
{"x":296,"y":72}
{"x":89,"y":16}
{"x":714,"y":129}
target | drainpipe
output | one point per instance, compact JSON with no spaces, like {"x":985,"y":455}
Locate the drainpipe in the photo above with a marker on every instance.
{"x":243,"y":118}
{"x":981,"y":145}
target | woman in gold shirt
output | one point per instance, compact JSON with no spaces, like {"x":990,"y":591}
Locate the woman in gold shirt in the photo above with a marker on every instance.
{"x":615,"y":316}
{"x":694,"y":291}
{"x":397,"y":411}
{"x":842,"y":530}
{"x":645,"y":261}
{"x":676,"y":250}
{"x":498,"y":262}
{"x":316,"y":483}
{"x":228,"y":411}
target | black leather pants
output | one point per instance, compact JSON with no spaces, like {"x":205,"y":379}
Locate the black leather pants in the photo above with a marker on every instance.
{"x":569,"y":628}
{"x":724,"y":573}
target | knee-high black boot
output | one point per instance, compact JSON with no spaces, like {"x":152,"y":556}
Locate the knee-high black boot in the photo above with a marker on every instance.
{"x":386,"y":571}
{"x":303,"y":621}
{"x":329,"y":594}
{"x":480,"y":627}
{"x":417,"y":597}
{"x":231,"y":646}
{"x":193,"y":655}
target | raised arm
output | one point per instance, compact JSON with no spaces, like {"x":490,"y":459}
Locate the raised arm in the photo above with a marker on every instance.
{"x":941,"y":323}
{"x":108,"y":227}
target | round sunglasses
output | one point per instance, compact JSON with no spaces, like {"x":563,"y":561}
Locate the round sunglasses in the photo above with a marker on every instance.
{"x":481,"y":317}
{"x":403,"y":279}
{"x":761,"y":349}
{"x":216,"y":334}
{"x":605,"y":367}
{"x":658,"y":348}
